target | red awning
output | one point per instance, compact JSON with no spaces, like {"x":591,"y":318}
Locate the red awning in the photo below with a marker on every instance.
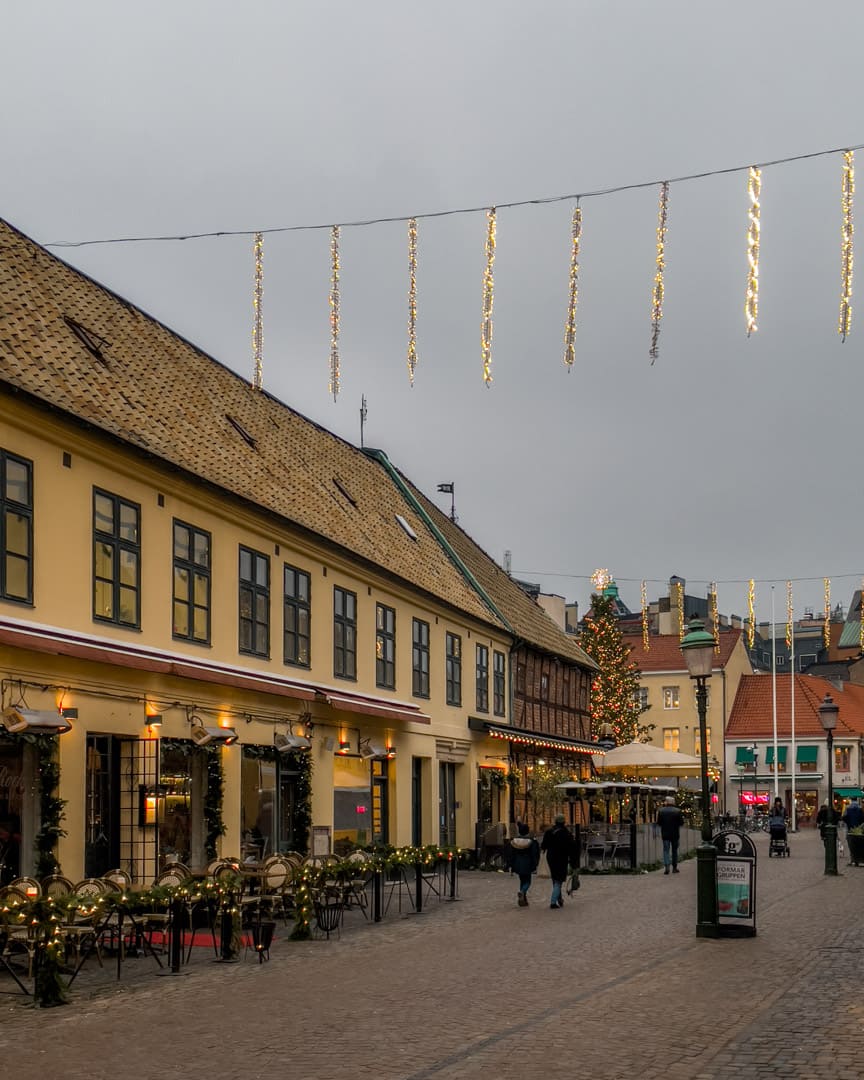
{"x":381,"y":707}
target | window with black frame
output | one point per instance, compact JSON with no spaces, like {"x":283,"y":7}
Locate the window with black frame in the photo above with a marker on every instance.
{"x":385,"y":647}
{"x":482,"y":673}
{"x":16,"y":528}
{"x":298,"y":616}
{"x":116,"y":560}
{"x":191,"y":612}
{"x":499,"y":683}
{"x":420,"y":658}
{"x":344,"y":634}
{"x":453,"y":668}
{"x":254,"y":602}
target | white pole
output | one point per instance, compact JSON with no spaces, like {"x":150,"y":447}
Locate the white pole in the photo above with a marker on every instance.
{"x":792,"y":718}
{"x":774,"y":694}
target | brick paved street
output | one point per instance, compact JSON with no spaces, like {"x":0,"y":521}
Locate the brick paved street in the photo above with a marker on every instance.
{"x":613,"y":985}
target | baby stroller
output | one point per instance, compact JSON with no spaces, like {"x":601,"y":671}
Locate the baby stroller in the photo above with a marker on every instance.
{"x":778,"y":843}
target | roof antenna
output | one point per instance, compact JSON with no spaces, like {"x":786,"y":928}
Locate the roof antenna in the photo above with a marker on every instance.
{"x":363,"y":412}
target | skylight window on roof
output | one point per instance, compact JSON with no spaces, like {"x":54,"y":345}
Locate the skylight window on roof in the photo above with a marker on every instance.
{"x":406,"y":526}
{"x":340,"y":485}
{"x":91,"y":342}
{"x":241,"y":431}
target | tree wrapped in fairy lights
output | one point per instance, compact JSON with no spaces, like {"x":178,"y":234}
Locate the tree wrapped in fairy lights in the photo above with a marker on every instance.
{"x":615,"y":688}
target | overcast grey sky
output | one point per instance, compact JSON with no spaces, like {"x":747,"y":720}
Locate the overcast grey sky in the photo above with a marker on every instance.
{"x":729,"y":458}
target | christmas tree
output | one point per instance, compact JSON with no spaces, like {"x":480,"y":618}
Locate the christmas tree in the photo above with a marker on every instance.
{"x":615,"y":689}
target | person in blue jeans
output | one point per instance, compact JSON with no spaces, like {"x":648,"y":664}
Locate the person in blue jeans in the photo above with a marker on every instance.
{"x":558,"y":845}
{"x":670,"y":819}
{"x":524,"y":860}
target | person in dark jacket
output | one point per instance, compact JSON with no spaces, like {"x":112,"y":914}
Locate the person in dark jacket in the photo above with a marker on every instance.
{"x":557,"y":843}
{"x":670,"y":819}
{"x":825,"y":815}
{"x":524,"y":860}
{"x":854,"y":815}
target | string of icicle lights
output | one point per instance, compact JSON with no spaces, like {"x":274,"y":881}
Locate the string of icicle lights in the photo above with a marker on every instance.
{"x":257,"y":306}
{"x":412,"y":298}
{"x":754,"y":172}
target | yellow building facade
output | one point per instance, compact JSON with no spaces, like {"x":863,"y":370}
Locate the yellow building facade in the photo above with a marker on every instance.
{"x":225,"y":604}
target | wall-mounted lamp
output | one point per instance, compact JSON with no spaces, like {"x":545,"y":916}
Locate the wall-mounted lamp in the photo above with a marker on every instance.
{"x":285,"y":743}
{"x":154,"y":721}
{"x":52,"y":723}
{"x":391,"y":752}
{"x":344,"y":747}
{"x":69,"y":714}
{"x":202,"y":735}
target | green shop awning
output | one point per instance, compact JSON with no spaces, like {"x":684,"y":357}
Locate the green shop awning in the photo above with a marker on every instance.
{"x":849,"y":792}
{"x":744,"y":755}
{"x":781,"y":754}
{"x":806,"y":754}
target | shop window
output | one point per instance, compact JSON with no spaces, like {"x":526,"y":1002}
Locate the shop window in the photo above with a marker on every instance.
{"x":12,"y":793}
{"x":352,"y":803}
{"x":16,"y":528}
{"x":116,"y":560}
{"x":191,"y":583}
{"x":254,"y":580}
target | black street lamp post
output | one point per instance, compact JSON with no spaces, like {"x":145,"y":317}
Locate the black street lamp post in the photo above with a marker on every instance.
{"x":698,"y":649}
{"x":828,"y":718}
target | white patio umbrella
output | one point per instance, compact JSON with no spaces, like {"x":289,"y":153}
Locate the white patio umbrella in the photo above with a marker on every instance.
{"x":645,"y":759}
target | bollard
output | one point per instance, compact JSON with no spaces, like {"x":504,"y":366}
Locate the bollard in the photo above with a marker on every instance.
{"x":176,"y":936}
{"x":418,"y":890}
{"x":452,"y":895}
{"x":376,"y":896}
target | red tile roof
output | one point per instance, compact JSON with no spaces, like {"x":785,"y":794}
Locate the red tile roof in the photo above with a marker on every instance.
{"x":665,"y":653}
{"x":752,"y":713}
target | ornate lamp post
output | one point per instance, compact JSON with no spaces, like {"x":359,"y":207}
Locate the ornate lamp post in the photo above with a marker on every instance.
{"x":698,"y":649}
{"x":828,"y":718}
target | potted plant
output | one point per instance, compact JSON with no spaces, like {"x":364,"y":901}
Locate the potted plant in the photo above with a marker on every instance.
{"x":855,"y":839}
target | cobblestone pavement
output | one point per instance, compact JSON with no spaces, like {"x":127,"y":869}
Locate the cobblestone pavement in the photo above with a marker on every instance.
{"x":615,"y":984}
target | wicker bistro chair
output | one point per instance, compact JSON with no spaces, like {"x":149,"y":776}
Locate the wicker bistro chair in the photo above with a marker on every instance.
{"x":15,"y":937}
{"x":118,"y":877}
{"x":55,"y":885}
{"x":28,"y":885}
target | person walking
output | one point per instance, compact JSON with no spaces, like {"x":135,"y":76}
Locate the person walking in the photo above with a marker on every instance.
{"x":670,"y":819}
{"x":558,"y":845}
{"x":854,"y":815}
{"x":524,"y":860}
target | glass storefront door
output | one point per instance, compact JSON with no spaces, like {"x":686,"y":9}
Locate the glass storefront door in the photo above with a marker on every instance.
{"x":102,"y":805}
{"x":352,"y":803}
{"x":447,"y":803}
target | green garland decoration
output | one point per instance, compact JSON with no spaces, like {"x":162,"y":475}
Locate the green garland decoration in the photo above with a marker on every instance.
{"x":213,"y":800}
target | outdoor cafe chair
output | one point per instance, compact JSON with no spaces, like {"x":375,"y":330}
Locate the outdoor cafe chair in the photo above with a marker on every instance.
{"x":28,"y":885}
{"x":55,"y":885}
{"x":19,"y":935}
{"x":119,"y":877}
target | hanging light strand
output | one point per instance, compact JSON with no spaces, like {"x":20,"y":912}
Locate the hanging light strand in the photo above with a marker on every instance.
{"x":751,"y":304}
{"x":335,"y":304}
{"x":790,"y":615}
{"x":573,"y":299}
{"x":657,"y":297}
{"x":847,"y":198}
{"x":714,"y":613}
{"x":488,"y":297}
{"x":646,"y":642}
{"x":751,"y":612}
{"x":257,"y":307}
{"x":412,"y":298}
{"x":826,"y":626}
{"x":679,"y":603}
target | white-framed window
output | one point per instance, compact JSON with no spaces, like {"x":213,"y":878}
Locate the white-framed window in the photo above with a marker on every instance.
{"x":707,"y":695}
{"x":671,"y":738}
{"x":697,"y":747}
{"x":640,"y":696}
{"x":671,"y":697}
